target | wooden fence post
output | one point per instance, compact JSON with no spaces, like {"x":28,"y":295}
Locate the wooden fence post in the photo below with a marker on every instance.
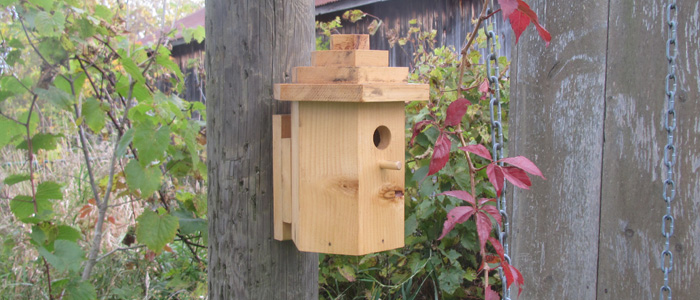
{"x":250,"y":45}
{"x":588,"y":110}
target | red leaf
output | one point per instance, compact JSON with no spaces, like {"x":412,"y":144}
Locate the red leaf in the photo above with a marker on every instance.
{"x":508,"y":7}
{"x":477,"y":149}
{"x":111,"y":220}
{"x":490,"y":294}
{"x":168,"y":249}
{"x":484,"y":88}
{"x":517,"y":177}
{"x":493,"y":211}
{"x":441,"y":154}
{"x":417,"y":128}
{"x":492,"y":259}
{"x":513,"y":276}
{"x":483,"y":228}
{"x":483,"y":201}
{"x":495,"y":174}
{"x":460,"y":195}
{"x":85,"y":210}
{"x":456,"y":111}
{"x":92,"y":201}
{"x":499,"y":248}
{"x":521,"y":18}
{"x":525,"y":164}
{"x":459,"y":214}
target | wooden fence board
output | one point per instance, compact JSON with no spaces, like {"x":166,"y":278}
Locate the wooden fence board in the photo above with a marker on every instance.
{"x":557,"y":121}
{"x":633,"y":171}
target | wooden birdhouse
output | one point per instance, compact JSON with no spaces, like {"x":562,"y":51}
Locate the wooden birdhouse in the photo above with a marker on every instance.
{"x":338,"y":158}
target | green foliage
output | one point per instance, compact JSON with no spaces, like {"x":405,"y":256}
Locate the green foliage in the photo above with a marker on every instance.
{"x":75,"y":85}
{"x":155,"y":230}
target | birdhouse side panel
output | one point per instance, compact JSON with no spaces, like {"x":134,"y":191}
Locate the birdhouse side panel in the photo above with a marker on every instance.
{"x":382,"y":152}
{"x":328,"y":178}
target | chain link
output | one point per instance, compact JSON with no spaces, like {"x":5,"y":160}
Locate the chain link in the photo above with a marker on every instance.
{"x":669,"y":188}
{"x":493,"y":73}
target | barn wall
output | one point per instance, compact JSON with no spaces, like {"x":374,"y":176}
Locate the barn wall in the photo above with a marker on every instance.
{"x":451,"y":19}
{"x":193,"y":73}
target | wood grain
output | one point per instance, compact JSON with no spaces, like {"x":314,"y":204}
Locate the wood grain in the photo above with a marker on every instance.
{"x":340,"y":75}
{"x":342,"y":203}
{"x":557,"y":111}
{"x":349,"y":42}
{"x":633,"y":170}
{"x":350,"y":58}
{"x":250,"y":46}
{"x":589,"y":111}
{"x":352,"y":92}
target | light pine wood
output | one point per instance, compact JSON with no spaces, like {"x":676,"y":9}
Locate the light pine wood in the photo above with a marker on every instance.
{"x":350,"y":42}
{"x":339,"y":75}
{"x":352,"y":92}
{"x":390,"y":165}
{"x":242,"y":63}
{"x":328,"y":220}
{"x":381,"y":220}
{"x":350,"y":58}
{"x":347,"y":151}
{"x":281,"y":176}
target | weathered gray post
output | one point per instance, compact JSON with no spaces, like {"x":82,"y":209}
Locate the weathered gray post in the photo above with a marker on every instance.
{"x":250,"y":45}
{"x":589,"y":111}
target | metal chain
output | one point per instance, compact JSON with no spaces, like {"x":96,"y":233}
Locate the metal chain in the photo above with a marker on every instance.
{"x":493,"y":72}
{"x":669,"y":189}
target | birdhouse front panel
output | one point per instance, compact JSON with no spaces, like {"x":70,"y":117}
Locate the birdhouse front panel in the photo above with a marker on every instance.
{"x":343,"y":182}
{"x":381,"y":156}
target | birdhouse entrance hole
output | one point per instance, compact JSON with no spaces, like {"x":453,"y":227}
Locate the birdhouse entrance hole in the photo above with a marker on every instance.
{"x":381,"y":137}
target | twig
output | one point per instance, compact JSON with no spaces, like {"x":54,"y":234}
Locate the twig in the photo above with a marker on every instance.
{"x":118,"y":249}
{"x":103,"y":205}
{"x":468,"y":45}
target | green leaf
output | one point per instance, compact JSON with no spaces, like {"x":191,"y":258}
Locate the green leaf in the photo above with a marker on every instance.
{"x":450,"y":279}
{"x":68,"y":233}
{"x":85,"y":28}
{"x":124,"y":142}
{"x":80,"y":290}
{"x":49,"y":25}
{"x":52,"y":49}
{"x":47,"y":4}
{"x":189,"y":224}
{"x":198,"y":33}
{"x":147,"y":180}
{"x":131,"y":68}
{"x":94,"y":114}
{"x":11,"y":86}
{"x":103,"y":12}
{"x":48,"y":190}
{"x":156,"y":231}
{"x":45,"y":141}
{"x":151,"y":143}
{"x":23,"y":207}
{"x":66,"y":255}
{"x":57,"y":97}
{"x":10,"y":132}
{"x":410,"y":225}
{"x":8,"y":2}
{"x":164,"y":60}
{"x":16,"y":178}
{"x":140,"y":91}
